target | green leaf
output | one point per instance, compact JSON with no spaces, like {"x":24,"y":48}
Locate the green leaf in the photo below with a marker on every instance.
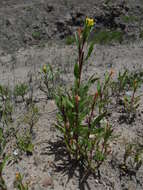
{"x":85,"y":33}
{"x":64,"y":101}
{"x":99,"y":156}
{"x":90,"y":50}
{"x":98,"y":132}
{"x":76,"y":70}
{"x":2,"y":165}
{"x":69,"y":103}
{"x":99,"y":87}
{"x":107,"y":77}
{"x":77,"y":40}
{"x":30,"y":147}
{"x":98,"y":119}
{"x":83,"y":130}
{"x":62,"y":129}
{"x":108,"y":134}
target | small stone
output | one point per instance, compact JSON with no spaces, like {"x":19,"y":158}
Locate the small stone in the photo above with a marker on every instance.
{"x":96,"y":181}
{"x":47,"y":181}
{"x":128,"y":93}
{"x":16,"y":152}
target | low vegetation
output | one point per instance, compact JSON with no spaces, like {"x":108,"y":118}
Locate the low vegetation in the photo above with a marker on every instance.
{"x":108,"y":37}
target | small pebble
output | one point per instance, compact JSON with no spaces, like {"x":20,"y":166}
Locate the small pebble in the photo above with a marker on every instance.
{"x":47,"y":181}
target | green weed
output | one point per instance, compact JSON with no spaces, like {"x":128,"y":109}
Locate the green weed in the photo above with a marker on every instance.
{"x":131,"y":102}
{"x":103,"y":90}
{"x":133,"y":157}
{"x":24,"y":143}
{"x":86,"y":139}
{"x":21,"y":90}
{"x":31,"y":117}
{"x":6,"y":107}
{"x":36,"y":35}
{"x":18,"y":183}
{"x":121,"y":84}
{"x":49,"y":80}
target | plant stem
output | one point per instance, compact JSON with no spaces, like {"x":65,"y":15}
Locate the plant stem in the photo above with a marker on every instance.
{"x":92,"y":110}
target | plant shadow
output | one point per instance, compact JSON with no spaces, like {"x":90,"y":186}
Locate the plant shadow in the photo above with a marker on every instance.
{"x":67,"y":166}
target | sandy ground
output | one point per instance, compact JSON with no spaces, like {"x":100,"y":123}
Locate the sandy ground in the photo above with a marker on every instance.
{"x":46,"y":162}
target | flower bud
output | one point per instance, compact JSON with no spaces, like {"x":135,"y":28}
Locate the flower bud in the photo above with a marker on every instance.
{"x":44,"y":69}
{"x":77,"y":99}
{"x":17,"y":175}
{"x":135,"y":83}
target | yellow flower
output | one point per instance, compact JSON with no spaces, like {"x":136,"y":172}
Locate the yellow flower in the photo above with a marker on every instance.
{"x":44,"y":69}
{"x":89,"y":22}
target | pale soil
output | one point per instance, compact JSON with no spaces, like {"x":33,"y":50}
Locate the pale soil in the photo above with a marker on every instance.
{"x":44,"y":162}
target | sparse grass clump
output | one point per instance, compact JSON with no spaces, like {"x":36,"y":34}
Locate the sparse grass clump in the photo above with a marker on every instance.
{"x":49,"y":80}
{"x":129,"y":18}
{"x":131,"y":101}
{"x":125,"y":89}
{"x":132,"y":159}
{"x":107,"y":37}
{"x":24,"y":143}
{"x":21,"y":90}
{"x":70,"y":40}
{"x":104,"y":92}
